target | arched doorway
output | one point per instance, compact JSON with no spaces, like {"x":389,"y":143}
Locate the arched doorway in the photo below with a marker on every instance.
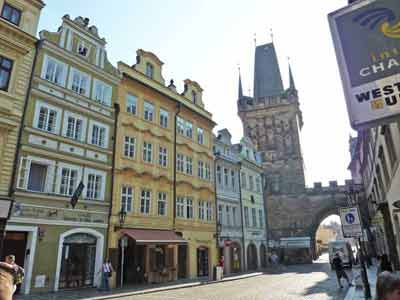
{"x":202,"y":261}
{"x":235,"y":255}
{"x":263,"y":256}
{"x":329,"y":229}
{"x":251,"y":257}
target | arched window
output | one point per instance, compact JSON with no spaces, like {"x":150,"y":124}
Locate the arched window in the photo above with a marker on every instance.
{"x":194,"y":97}
{"x":149,"y":70}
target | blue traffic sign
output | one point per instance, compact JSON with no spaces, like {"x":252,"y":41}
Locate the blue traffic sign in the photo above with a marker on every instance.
{"x":350,"y":218}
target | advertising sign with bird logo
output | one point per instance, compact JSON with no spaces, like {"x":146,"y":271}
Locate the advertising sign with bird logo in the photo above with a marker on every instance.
{"x":366,"y":36}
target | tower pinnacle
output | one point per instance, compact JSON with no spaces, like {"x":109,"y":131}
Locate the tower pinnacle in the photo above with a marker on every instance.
{"x":240,"y":93}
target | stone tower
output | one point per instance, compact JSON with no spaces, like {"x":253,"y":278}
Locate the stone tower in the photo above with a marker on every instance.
{"x":272,"y":119}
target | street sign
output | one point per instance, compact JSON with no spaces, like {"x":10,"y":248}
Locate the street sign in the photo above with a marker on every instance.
{"x":366,"y":37}
{"x":351,"y":225}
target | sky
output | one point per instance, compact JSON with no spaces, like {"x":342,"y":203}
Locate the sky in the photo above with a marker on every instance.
{"x":206,"y":41}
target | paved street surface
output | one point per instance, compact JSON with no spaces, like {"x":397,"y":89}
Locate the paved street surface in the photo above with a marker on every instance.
{"x":311,"y":282}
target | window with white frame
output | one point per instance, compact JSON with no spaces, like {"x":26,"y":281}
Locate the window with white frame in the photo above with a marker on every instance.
{"x":220,"y":214}
{"x":243,"y":180}
{"x":226,"y":179}
{"x":102,"y":92}
{"x":148,"y":112}
{"x":38,"y":175}
{"x":207,"y":171}
{"x":189,"y":208}
{"x":234,"y":216}
{"x":127,"y":198}
{"x":233,"y":180}
{"x":254,"y":217}
{"x":228,"y":216}
{"x":95,"y":182}
{"x":251,"y":183}
{"x":180,"y":162}
{"x":261,"y":218}
{"x":79,"y":82}
{"x":47,"y":117}
{"x":258,"y":184}
{"x":131,"y":104}
{"x":145,"y":199}
{"x":194,"y":97}
{"x":219,"y":175}
{"x":98,"y":134}
{"x":246,"y":216}
{"x":164,"y":116}
{"x":68,"y":179}
{"x":180,"y":125}
{"x":162,"y":204}
{"x":147,"y":152}
{"x":83,"y":49}
{"x":200,"y":136}
{"x":53,"y":70}
{"x":202,"y":210}
{"x":209,"y":211}
{"x":162,"y":156}
{"x":189,"y":165}
{"x":188,"y":129}
{"x":200,"y":169}
{"x":74,"y":126}
{"x":129,"y":146}
{"x":180,"y":207}
{"x":149,"y":70}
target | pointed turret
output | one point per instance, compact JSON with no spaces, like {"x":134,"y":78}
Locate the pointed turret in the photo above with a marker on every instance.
{"x":292,"y":87}
{"x":240,"y":87}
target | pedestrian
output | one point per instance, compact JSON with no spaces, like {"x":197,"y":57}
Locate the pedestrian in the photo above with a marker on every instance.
{"x":10,"y":275}
{"x":387,"y":286}
{"x":339,"y":269}
{"x":384,"y":264}
{"x":274,"y":258}
{"x":106,"y":270}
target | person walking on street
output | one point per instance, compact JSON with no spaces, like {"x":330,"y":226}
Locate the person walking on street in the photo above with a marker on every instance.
{"x":384,"y":264}
{"x":107,"y":270}
{"x":387,"y":286}
{"x":339,"y":269}
{"x":10,"y":275}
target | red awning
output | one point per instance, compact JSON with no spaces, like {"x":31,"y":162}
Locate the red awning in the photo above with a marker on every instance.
{"x":152,"y":236}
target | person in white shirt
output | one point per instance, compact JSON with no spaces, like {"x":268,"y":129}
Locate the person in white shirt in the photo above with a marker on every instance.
{"x":106,"y":270}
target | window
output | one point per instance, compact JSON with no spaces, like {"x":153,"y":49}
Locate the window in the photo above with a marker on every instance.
{"x":74,"y":126}
{"x":246,"y":216}
{"x":254,"y":217}
{"x":233,"y":180}
{"x":219,"y":176}
{"x":390,"y":144}
{"x":98,"y":134}
{"x":233,"y":215}
{"x":148,"y":111}
{"x":126,"y":198}
{"x":226,"y":181}
{"x":209,"y":211}
{"x":145,"y":202}
{"x":202,"y":210}
{"x":261,"y":218}
{"x":129,"y":146}
{"x":11,"y":14}
{"x":68,"y":180}
{"x":189,"y":129}
{"x":179,"y":163}
{"x":200,"y":169}
{"x":47,"y":117}
{"x":220,"y":210}
{"x":79,"y":82}
{"x":228,"y":216}
{"x":162,"y":204}
{"x":180,"y":207}
{"x":102,"y":92}
{"x":243,"y":179}
{"x":164,"y":115}
{"x":208,"y":171}
{"x":131,"y":104}
{"x":194,"y":97}
{"x":147,"y":152}
{"x":189,"y":165}
{"x":200,"y":136}
{"x":95,"y":184}
{"x":162,"y":156}
{"x":251,"y":182}
{"x":180,"y":125}
{"x":5,"y":72}
{"x":189,"y":208}
{"x":37,"y":177}
{"x":82,"y":49}
{"x":54,"y":71}
{"x":149,"y":70}
{"x":258,"y":184}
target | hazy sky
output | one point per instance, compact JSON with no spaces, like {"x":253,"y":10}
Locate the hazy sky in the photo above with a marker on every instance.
{"x":205,"y":40}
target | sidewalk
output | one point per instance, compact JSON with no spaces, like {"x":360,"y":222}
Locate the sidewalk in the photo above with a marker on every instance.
{"x":358,"y":293}
{"x":93,"y":294}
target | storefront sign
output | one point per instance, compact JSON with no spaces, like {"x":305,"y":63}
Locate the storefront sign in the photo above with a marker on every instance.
{"x":299,"y":242}
{"x":366,"y":36}
{"x":350,"y":219}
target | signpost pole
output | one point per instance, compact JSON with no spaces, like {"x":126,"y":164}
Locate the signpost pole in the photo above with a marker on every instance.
{"x":364,"y":274}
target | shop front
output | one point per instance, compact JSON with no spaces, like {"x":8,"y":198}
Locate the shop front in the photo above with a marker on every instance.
{"x":232,"y":252}
{"x":149,"y":256}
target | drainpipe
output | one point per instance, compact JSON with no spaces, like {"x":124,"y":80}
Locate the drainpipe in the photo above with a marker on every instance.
{"x":216,"y":205}
{"x":11,"y":189}
{"x":117,"y":111}
{"x":178,"y":110}
{"x":241,"y":215}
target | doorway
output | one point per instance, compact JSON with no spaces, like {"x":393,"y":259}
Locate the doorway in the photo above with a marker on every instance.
{"x":251,"y":257}
{"x":202,"y":261}
{"x":263,"y":256}
{"x":182,"y":261}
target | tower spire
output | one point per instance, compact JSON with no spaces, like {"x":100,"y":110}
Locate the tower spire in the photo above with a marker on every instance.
{"x":240,"y":92}
{"x":291,"y":80}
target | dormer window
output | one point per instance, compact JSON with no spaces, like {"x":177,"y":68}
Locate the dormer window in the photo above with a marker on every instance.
{"x":83,"y":50}
{"x":149,"y":70}
{"x":194,"y":97}
{"x":11,"y":14}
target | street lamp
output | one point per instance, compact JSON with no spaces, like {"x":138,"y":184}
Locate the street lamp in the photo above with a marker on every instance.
{"x":5,"y":213}
{"x":353,"y":200}
{"x":122,"y":216}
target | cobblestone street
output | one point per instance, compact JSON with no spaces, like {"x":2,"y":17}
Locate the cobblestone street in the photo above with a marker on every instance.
{"x":311,"y":282}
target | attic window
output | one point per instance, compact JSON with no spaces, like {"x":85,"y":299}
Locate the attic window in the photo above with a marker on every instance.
{"x":149,"y":70}
{"x":194,"y":97}
{"x":83,"y":50}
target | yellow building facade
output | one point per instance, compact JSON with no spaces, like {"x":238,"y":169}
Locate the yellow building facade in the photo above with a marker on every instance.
{"x":162,"y":139}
